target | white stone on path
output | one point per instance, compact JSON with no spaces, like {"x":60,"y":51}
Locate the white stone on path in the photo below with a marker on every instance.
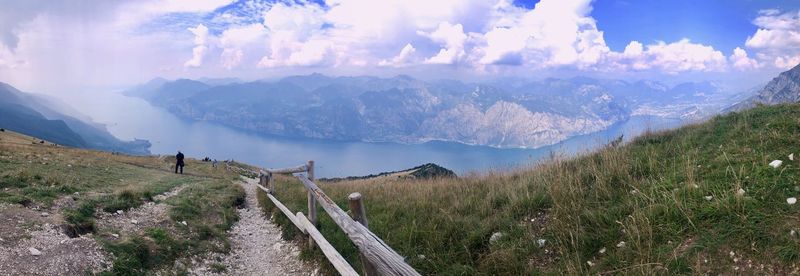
{"x":34,"y":251}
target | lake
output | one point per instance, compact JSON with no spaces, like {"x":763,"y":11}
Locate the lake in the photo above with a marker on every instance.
{"x":129,"y":118}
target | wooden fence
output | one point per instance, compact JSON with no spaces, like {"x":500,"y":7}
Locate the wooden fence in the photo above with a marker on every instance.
{"x":377,"y":258}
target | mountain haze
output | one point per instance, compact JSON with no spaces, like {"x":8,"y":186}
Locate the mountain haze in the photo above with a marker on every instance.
{"x":52,"y":120}
{"x":504,"y":113}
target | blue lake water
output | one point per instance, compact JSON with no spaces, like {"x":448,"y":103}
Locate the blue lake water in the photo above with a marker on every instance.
{"x":129,"y":118}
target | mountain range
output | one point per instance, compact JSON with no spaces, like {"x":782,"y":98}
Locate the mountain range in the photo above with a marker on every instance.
{"x":505,"y":113}
{"x":52,"y":120}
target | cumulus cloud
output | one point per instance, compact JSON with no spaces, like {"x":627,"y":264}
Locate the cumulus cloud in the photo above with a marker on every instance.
{"x":553,"y":33}
{"x":199,"y":51}
{"x":405,"y":57}
{"x":670,"y":58}
{"x":741,"y":61}
{"x":235,"y":40}
{"x":296,"y":36}
{"x":777,"y":40}
{"x":452,"y":38}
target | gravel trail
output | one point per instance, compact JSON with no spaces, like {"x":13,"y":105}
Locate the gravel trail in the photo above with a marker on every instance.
{"x":256,"y":246}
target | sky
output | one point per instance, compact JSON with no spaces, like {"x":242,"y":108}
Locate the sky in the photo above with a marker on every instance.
{"x":60,"y":46}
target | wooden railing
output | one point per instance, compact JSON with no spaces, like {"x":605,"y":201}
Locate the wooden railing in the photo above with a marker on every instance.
{"x":377,"y":258}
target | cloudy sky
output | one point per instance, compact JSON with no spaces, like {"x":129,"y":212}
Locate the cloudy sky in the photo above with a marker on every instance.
{"x":50,"y":46}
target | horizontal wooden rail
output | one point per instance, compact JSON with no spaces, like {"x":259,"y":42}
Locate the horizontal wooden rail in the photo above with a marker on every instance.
{"x":298,"y":169}
{"x":377,"y":252}
{"x":336,"y":259}
{"x":283,"y":208}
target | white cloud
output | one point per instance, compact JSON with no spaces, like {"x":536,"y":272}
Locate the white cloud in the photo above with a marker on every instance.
{"x":777,"y":40}
{"x":237,"y":39}
{"x":786,"y":62}
{"x":200,"y":49}
{"x":355,"y":36}
{"x":554,"y":33}
{"x":296,"y":36}
{"x":671,"y":58}
{"x":405,"y":57}
{"x":741,"y":61}
{"x":231,"y":57}
{"x":452,"y":38}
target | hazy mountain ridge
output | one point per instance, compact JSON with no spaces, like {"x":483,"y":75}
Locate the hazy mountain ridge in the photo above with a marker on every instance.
{"x":785,"y":88}
{"x":406,"y":110}
{"x":52,"y":120}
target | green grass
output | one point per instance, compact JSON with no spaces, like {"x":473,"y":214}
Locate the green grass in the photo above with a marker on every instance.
{"x":649,"y":194}
{"x":36,"y":175}
{"x":208,"y":207}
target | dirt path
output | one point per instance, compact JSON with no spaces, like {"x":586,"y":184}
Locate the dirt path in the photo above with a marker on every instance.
{"x":256,"y":247}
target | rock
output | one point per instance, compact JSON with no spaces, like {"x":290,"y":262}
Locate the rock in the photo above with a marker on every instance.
{"x":602,"y":250}
{"x":44,"y":214}
{"x":709,"y":198}
{"x":541,"y":242}
{"x":183,"y":222}
{"x":740,"y":192}
{"x":134,"y":221}
{"x":791,"y":157}
{"x":421,"y":257}
{"x":775,"y":163}
{"x":120,"y":212}
{"x":590,"y":263}
{"x":495,"y":237}
{"x":791,"y":233}
{"x":34,"y":251}
{"x":115,"y":235}
{"x":621,"y":244}
{"x":791,"y":200}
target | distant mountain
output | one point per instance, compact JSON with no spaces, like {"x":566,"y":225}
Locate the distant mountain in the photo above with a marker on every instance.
{"x":52,"y":120}
{"x":785,"y":88}
{"x":504,"y":113}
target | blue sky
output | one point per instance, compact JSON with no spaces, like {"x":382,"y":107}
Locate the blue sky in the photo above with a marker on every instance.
{"x":724,"y":24}
{"x":104,"y":43}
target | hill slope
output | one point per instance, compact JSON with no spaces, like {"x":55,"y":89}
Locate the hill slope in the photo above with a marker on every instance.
{"x":49,"y":119}
{"x":69,"y":211}
{"x":701,"y":199}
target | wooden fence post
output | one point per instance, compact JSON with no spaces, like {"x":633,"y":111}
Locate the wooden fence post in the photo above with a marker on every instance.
{"x":270,"y":183}
{"x":359,"y":214}
{"x":312,"y":203}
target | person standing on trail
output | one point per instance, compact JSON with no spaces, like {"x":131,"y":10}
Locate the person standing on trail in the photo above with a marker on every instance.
{"x":179,"y":162}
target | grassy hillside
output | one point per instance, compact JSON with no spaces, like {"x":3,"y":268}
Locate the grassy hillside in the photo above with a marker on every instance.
{"x":79,"y":186}
{"x":700,"y":199}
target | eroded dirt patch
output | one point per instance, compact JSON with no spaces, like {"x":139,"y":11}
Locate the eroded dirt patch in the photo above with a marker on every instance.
{"x":33,"y":245}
